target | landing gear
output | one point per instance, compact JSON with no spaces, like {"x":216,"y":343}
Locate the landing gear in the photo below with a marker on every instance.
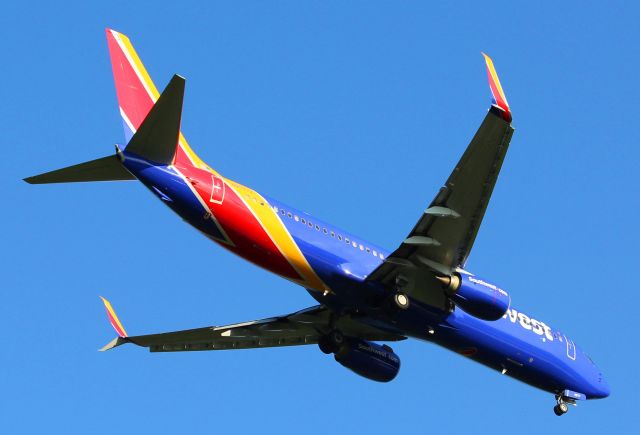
{"x":562,"y":407}
{"x":332,"y":342}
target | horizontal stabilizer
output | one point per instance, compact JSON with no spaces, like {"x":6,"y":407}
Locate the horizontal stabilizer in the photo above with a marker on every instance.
{"x":104,"y":169}
{"x":157,"y":138}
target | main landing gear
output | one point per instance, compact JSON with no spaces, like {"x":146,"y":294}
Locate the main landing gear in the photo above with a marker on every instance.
{"x":562,"y":407}
{"x":332,"y":342}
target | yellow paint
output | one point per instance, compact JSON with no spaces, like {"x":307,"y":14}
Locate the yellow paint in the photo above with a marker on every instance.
{"x":495,"y":78}
{"x":144,"y":76}
{"x":267,"y":217}
{"x":109,"y":308}
{"x":139,"y":66}
{"x":279,"y":234}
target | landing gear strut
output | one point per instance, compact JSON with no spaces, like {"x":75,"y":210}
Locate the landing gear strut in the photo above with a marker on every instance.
{"x":561,"y":408}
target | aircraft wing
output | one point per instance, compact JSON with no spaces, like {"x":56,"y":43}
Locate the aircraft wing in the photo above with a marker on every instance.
{"x":443,"y":236}
{"x":303,"y":327}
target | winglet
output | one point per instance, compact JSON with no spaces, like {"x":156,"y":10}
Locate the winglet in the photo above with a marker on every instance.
{"x":499,"y":99}
{"x":113,"y":319}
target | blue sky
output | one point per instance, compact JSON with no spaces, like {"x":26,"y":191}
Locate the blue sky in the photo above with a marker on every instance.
{"x":355,"y":112}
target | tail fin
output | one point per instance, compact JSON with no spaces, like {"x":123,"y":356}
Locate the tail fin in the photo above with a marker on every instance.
{"x":135,"y":89}
{"x":105,"y":169}
{"x":137,"y":93}
{"x":115,"y":322}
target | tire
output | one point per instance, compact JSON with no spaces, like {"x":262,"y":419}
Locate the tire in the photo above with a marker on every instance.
{"x":563,"y":407}
{"x":325,"y":345}
{"x":557,"y":411}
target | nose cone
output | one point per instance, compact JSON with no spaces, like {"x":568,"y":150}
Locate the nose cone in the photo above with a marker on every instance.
{"x":600,"y":388}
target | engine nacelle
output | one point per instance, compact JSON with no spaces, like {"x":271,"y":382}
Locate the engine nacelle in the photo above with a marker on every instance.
{"x":477,"y":297}
{"x":370,"y":360}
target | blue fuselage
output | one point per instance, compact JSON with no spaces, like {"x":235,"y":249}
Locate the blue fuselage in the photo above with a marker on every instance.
{"x":538,"y":356}
{"x":516,"y":345}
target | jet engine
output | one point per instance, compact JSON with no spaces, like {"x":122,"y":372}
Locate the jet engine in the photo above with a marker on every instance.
{"x":476,"y":296}
{"x":370,"y":360}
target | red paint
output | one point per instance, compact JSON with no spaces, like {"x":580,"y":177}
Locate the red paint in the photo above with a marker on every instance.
{"x":241,"y":226}
{"x":133,"y":98}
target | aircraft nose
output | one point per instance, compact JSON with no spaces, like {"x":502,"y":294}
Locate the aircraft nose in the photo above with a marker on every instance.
{"x":600,"y":387}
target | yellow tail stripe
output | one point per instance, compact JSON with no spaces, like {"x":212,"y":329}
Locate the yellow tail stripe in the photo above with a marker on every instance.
{"x":279,"y":234}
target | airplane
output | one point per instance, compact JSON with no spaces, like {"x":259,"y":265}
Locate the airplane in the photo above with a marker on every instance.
{"x":365,"y":294}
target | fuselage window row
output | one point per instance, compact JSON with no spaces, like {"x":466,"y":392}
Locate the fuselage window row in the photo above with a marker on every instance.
{"x":325,"y":231}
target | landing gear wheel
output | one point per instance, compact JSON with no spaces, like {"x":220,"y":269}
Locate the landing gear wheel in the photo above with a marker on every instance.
{"x":332,"y":342}
{"x":401,"y":300}
{"x":560,"y":409}
{"x":325,"y":345}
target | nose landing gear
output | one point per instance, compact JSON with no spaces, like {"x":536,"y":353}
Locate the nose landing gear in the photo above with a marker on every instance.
{"x":561,"y":408}
{"x":563,"y":403}
{"x":566,"y":398}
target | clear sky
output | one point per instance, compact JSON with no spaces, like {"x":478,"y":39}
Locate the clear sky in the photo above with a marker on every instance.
{"x":355,"y":112}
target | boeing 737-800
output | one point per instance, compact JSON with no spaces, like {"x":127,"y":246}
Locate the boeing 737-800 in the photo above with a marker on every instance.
{"x":365,"y":294}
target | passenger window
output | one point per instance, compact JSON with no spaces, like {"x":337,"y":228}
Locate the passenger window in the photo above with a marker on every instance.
{"x":275,"y":209}
{"x":303,"y":221}
{"x":381,"y":256}
{"x":355,"y":245}
{"x":375,"y":254}
{"x":347,"y":241}
{"x":289,"y":215}
{"x":368,"y":250}
{"x":339,"y":237}
{"x":296,"y":218}
{"x":317,"y":227}
{"x":324,"y":230}
{"x":282,"y":212}
{"x":310,"y":224}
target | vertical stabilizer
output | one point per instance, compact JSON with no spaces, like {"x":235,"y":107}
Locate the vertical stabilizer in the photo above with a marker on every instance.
{"x":135,"y":89}
{"x":137,"y":94}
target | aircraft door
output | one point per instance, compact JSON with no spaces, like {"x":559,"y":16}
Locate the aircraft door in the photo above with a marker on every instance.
{"x":571,"y":348}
